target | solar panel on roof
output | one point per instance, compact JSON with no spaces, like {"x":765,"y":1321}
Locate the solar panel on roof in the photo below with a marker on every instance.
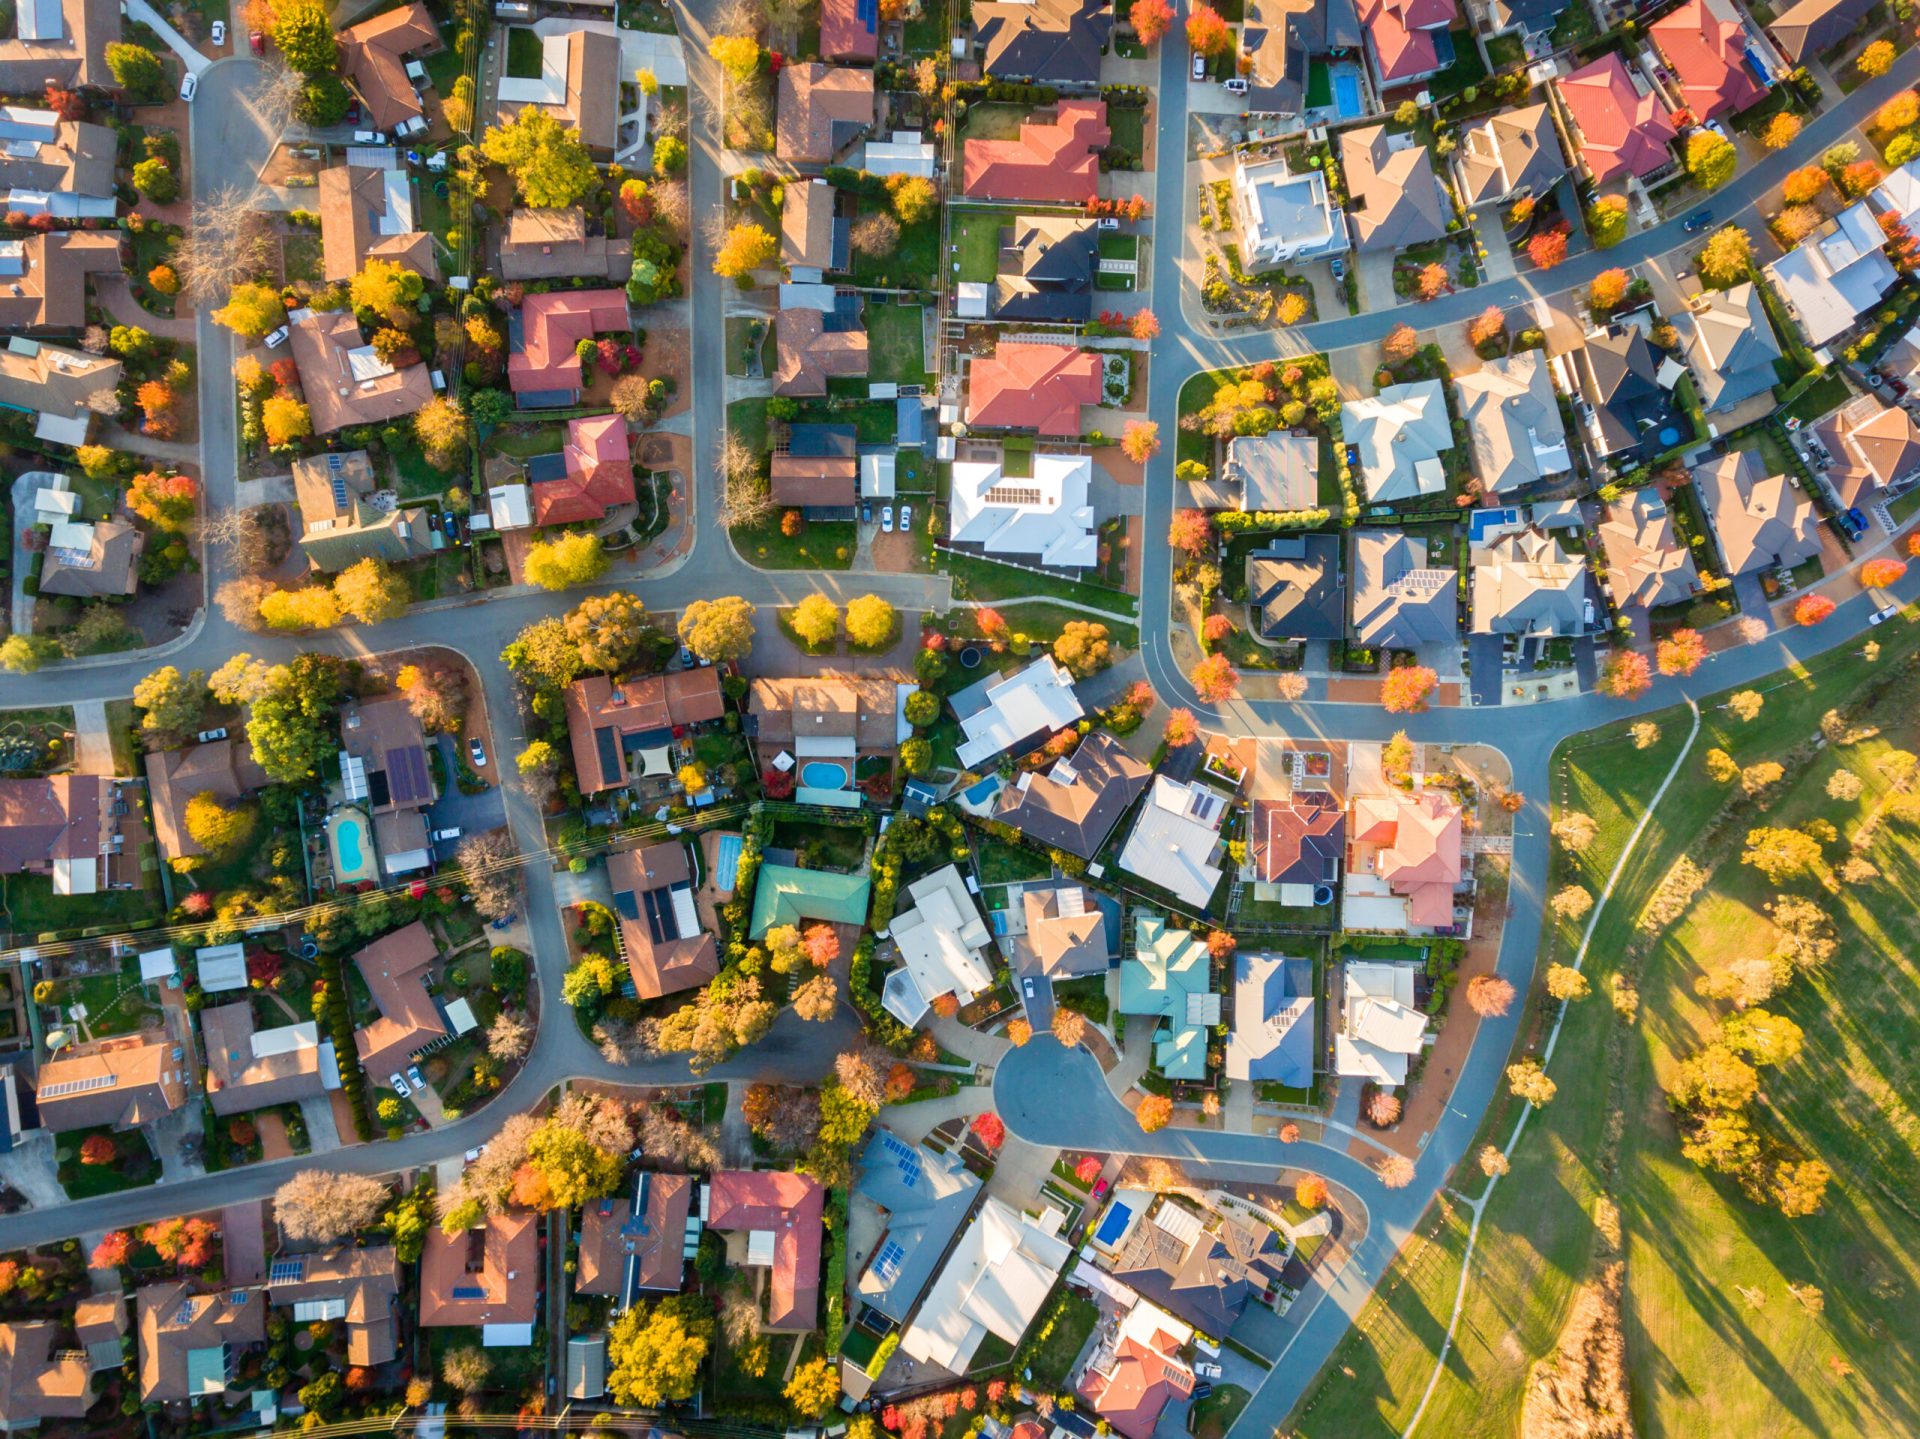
{"x":407,"y":774}
{"x":905,"y":1157}
{"x":886,"y":1264}
{"x":624,"y":905}
{"x":339,"y":492}
{"x":468,"y":1291}
{"x":286,"y":1271}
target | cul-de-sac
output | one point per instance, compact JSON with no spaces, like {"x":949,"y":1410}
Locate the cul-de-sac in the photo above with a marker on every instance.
{"x":960,"y":719}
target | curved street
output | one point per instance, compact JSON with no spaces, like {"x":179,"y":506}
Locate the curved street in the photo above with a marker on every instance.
{"x":1046,"y":1095}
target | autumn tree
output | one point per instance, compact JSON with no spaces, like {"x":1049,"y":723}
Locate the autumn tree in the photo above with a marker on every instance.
{"x":747,"y":247}
{"x":1143,"y":325}
{"x":1877,"y":574}
{"x":1548,"y":248}
{"x":870,"y":621}
{"x":1207,"y":33}
{"x":719,"y":629}
{"x":816,"y":620}
{"x":1681,"y":653}
{"x":1876,"y":59}
{"x":565,"y":560}
{"x":654,"y":1353}
{"x":1529,"y":1081}
{"x":321,"y":1207}
{"x":1406,"y":687}
{"x":1804,"y":185}
{"x":1432,"y":281}
{"x":218,"y":828}
{"x":1571,"y":902}
{"x":1154,"y":1112}
{"x":550,"y":167}
{"x":817,"y":998}
{"x":1190,"y":532}
{"x":1810,"y":610}
{"x":1214,"y":680}
{"x":1710,"y":159}
{"x":1493,"y":1163}
{"x":1489,"y":996}
{"x":466,"y":1368}
{"x":1151,"y":20}
{"x":1181,"y":729}
{"x":1019,"y":1032}
{"x":1781,"y":131}
{"x":1069,"y":1027}
{"x":1609,"y":288}
{"x":609,"y":629}
{"x":1396,"y":1171}
{"x":1140,"y":441}
{"x":1486,"y":327}
{"x":98,"y":1149}
{"x":1646,"y":734}
{"x":1781,"y":854}
{"x":1565,"y":983}
{"x":1728,"y":256}
{"x":1625,"y":676}
{"x":1400,"y":344}
{"x":1311,"y":1192}
{"x":1084,"y":647}
{"x":444,"y":432}
{"x":491,"y":873}
{"x":371,"y":591}
{"x":815,"y":1386}
{"x":113,"y":1250}
{"x":171,"y":703}
{"x":1607,"y":221}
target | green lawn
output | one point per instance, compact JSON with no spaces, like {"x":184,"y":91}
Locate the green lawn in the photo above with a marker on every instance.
{"x":1129,"y":126}
{"x":822,"y":545}
{"x":1042,"y":622}
{"x":1702,"y":1358}
{"x":976,"y":244}
{"x":896,"y":344}
{"x":1057,"y":1338}
{"x":986,"y":580}
{"x":748,"y":420}
{"x":31,"y":907}
{"x":912,"y":264}
{"x":523,"y":53}
{"x":300,"y":255}
{"x":1002,"y":863}
{"x":745,"y":337}
{"x":994,"y":120}
{"x":1212,"y":1417}
{"x":1826,"y":394}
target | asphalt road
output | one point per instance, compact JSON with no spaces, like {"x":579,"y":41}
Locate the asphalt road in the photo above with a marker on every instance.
{"x":1077,"y":1107}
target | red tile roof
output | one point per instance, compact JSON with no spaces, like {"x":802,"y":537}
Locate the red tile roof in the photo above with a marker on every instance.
{"x":1051,"y":161}
{"x":789,"y":1207}
{"x":1138,"y":1384}
{"x":844,"y":35}
{"x":1402,"y":35}
{"x":486,"y":1275}
{"x":1621,"y":130}
{"x":1705,"y":45}
{"x":638,"y":705}
{"x":1033,"y":387}
{"x":599,"y":474}
{"x":552,"y":325}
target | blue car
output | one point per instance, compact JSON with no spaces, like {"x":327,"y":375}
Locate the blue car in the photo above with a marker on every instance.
{"x":1856,"y":522}
{"x":1698,"y":220}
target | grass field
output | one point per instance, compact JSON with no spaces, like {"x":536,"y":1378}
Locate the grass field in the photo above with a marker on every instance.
{"x":896,"y":346}
{"x":976,"y":244}
{"x":1703,"y":1356}
{"x":986,"y":580}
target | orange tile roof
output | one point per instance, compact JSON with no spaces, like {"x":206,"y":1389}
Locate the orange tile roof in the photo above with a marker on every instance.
{"x":486,"y":1275}
{"x":599,"y":474}
{"x":788,"y":1206}
{"x":1051,"y":161}
{"x":552,"y":325}
{"x":1033,"y":387}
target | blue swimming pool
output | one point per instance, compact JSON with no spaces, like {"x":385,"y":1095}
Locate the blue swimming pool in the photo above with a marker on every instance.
{"x":1346,"y":95}
{"x":726,"y":864}
{"x":353,"y":857}
{"x":346,"y":839}
{"x":819,"y":775}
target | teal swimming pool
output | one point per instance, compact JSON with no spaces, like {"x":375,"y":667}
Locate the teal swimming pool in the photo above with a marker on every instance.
{"x":352,"y":844}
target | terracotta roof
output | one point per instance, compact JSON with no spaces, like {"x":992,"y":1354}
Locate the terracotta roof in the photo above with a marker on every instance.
{"x":810,"y":353}
{"x":47,"y":286}
{"x":343,"y":381}
{"x":1298,"y":841}
{"x":806,"y":224}
{"x":371,"y":59}
{"x":1412,"y":841}
{"x":787,"y":1206}
{"x":223,"y":768}
{"x":554,"y":244}
{"x":1620,"y":131}
{"x":818,"y":466}
{"x":1402,"y":35}
{"x":47,"y":822}
{"x":823,"y":109}
{"x":353,"y":209}
{"x":849,"y":29}
{"x":1141,"y":1379}
{"x":1052,"y":160}
{"x":486,"y":1275}
{"x":394,"y":967}
{"x":666,"y":951}
{"x":551,"y":325}
{"x":366,"y":1280}
{"x":834,"y":705}
{"x":190,"y":1342}
{"x":385,"y":736}
{"x":605,"y":717}
{"x":78,"y":56}
{"x":598,"y":478}
{"x":39,"y":1381}
{"x":1033,"y":387}
{"x":124,"y":1082}
{"x":1705,"y":44}
{"x":612,"y":1240}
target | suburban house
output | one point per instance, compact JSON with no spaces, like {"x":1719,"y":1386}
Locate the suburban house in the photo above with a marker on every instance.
{"x":1297,"y":844}
{"x":824,"y":109}
{"x":383,"y":769}
{"x":1729,"y":344}
{"x":638,"y":1246}
{"x":1400,"y":435}
{"x":1534,"y":18}
{"x":1046,"y":269}
{"x":1007,"y":710}
{"x":1524,"y":584}
{"x":1619,"y":126}
{"x":223,"y":768}
{"x":1403,"y":861}
{"x":903,"y":152}
{"x":62,"y":42}
{"x":1899,"y":195}
{"x":659,"y":928}
{"x":1280,"y":40}
{"x":92,"y":559}
{"x":360,"y":1287}
{"x":1169,"y":978}
{"x":849,"y":30}
{"x":1201,"y":1266}
{"x":79,"y":830}
{"x":1761,"y":521}
{"x":1400,"y":600}
{"x":55,"y":167}
{"x":1379,"y":1030}
{"x":834,"y":716}
{"x":1043,"y":42}
{"x":998,"y":1274}
{"x":590,"y":477}
{"x":1625,"y":399}
{"x":815,"y":241}
{"x":1294,"y":585}
{"x":1394,"y":199}
{"x":395,"y":969}
{"x":817,"y":345}
{"x":485,"y":1278}
{"x":1875,"y":449}
{"x":44,"y":1379}
{"x":816,"y":469}
{"x":1036,"y":387}
{"x":1074,"y":804}
{"x":1069,"y":932}
{"x":1272,"y":1039}
{"x":343,"y":378}
{"x":555,"y":245}
{"x":774,"y":1218}
{"x":373,"y":58}
{"x":367,"y":214}
{"x":43,"y":278}
{"x":250,"y":1068}
{"x":340,"y":526}
{"x":611,"y":721}
{"x":62,"y":389}
{"x":1809,"y":27}
{"x":1646,"y":563}
{"x":1278,"y":472}
{"x":787,"y":894}
{"x":1053,"y":161}
{"x":578,"y":85}
{"x":1175,"y":841}
{"x":544,"y":366}
{"x":1508,"y":155}
{"x":1706,"y":45}
{"x":1136,"y":1371}
{"x":943,"y":944}
{"x":1836,"y":275}
{"x":1408,"y":38}
{"x":908,"y":1203}
{"x":1045,"y":519}
{"x":191,"y":1343}
{"x":1284,"y":216}
{"x":100,"y":1324}
{"x":121,"y":1083}
{"x":1513,"y":423}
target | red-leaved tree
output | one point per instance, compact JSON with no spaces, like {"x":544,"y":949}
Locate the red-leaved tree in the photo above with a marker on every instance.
{"x":1191,"y":531}
{"x":1811,"y":609}
{"x":1405,"y":689}
{"x":1151,"y":20}
{"x":1626,"y":675}
{"x":1214,"y":680}
{"x":99,"y":1149}
{"x":1182,"y":729}
{"x":1548,"y":248}
{"x":989,"y":1130}
{"x":112,"y":1251}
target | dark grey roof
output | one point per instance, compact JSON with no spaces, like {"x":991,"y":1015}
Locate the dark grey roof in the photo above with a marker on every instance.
{"x":1206,"y":1282}
{"x":1295,"y":583}
{"x":1075,"y":804}
{"x":1056,"y":42}
{"x":924,"y":1199}
{"x":1046,"y":272}
{"x":1616,"y":373}
{"x":815,"y":442}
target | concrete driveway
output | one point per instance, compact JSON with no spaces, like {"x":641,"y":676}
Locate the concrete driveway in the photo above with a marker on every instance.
{"x":468,"y":813}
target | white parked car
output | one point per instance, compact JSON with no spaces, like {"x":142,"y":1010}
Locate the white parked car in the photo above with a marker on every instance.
{"x":1880,"y":617}
{"x":189,"y":86}
{"x":1199,"y":67}
{"x":886,"y":519}
{"x":398,"y":1085}
{"x":906,"y":517}
{"x":276,"y":338}
{"x":219,"y":32}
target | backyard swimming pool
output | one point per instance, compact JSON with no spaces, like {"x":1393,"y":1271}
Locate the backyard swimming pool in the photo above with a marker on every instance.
{"x":1346,"y":94}
{"x":353,"y":857}
{"x":726,"y":864}
{"x":817,"y":774}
